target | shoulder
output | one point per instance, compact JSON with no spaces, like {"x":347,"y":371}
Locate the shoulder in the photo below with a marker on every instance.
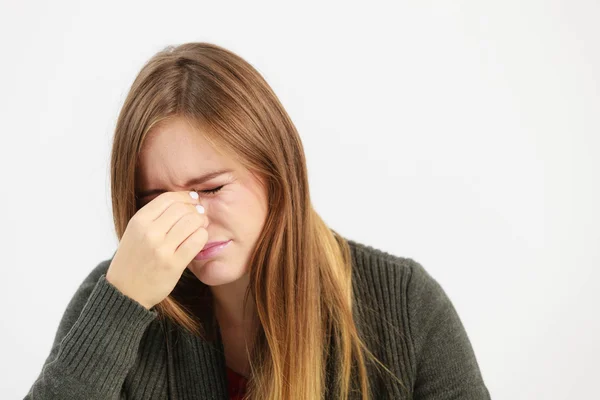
{"x":398,"y":278}
{"x":399,"y":288}
{"x":382,"y":298}
{"x":367,"y":259}
{"x":403,"y":305}
{"x":419,"y":314}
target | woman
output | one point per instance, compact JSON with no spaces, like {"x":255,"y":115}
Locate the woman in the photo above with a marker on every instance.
{"x":226,"y":282}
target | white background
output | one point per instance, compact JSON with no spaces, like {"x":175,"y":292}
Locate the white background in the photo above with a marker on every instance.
{"x":462,"y":134}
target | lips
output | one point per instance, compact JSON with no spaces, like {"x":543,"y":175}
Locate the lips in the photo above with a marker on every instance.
{"x":213,"y":244}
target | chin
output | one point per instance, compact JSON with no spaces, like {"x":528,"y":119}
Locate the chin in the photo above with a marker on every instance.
{"x":213,"y":272}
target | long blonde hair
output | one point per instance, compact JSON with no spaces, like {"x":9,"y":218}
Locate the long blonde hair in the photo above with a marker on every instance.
{"x":300,"y":274}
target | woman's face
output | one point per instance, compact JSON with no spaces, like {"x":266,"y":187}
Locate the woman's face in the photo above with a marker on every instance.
{"x":174,"y":153}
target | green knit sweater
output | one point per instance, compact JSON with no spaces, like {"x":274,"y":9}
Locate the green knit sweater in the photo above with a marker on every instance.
{"x":108,"y":346}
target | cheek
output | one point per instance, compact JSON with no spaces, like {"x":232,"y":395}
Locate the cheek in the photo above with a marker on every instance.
{"x":240,"y":209}
{"x":227,"y":207}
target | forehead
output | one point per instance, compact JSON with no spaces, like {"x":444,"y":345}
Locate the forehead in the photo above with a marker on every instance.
{"x":175,"y":151}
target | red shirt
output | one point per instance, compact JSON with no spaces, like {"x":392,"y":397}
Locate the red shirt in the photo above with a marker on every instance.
{"x":236,"y":384}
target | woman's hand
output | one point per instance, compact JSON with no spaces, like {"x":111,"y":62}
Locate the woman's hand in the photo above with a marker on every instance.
{"x":160,"y":240}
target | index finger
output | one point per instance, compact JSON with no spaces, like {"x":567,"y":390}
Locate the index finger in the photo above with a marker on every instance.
{"x":160,"y":203}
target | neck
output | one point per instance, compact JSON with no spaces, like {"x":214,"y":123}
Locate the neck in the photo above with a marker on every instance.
{"x":237,"y":324}
{"x":229,"y":308}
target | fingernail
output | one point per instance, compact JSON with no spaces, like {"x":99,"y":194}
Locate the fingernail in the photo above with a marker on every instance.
{"x":194,"y":195}
{"x":200,"y":208}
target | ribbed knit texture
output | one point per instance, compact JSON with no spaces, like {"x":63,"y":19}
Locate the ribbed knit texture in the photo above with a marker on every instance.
{"x":108,"y":346}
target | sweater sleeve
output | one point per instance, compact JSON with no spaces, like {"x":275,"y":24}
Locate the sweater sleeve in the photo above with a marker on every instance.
{"x":446,"y":366}
{"x":96,"y":343}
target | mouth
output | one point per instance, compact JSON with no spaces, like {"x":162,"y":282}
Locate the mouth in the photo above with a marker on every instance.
{"x":212,"y":250}
{"x":213,"y":244}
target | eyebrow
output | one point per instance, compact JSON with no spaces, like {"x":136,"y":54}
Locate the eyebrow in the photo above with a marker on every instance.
{"x":194,"y":181}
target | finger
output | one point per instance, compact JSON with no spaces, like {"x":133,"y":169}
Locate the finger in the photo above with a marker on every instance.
{"x":155,"y":208}
{"x":182,"y":230}
{"x":190,"y":247}
{"x":165,"y":223}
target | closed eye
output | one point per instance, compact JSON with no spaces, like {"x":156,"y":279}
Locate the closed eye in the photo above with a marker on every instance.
{"x":208,"y":192}
{"x":212,"y":191}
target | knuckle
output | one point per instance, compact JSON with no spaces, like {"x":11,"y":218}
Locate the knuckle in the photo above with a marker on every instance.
{"x":161,"y":254}
{"x":135,"y":221}
{"x":152,"y":237}
{"x":166,"y":197}
{"x":138,"y":223}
